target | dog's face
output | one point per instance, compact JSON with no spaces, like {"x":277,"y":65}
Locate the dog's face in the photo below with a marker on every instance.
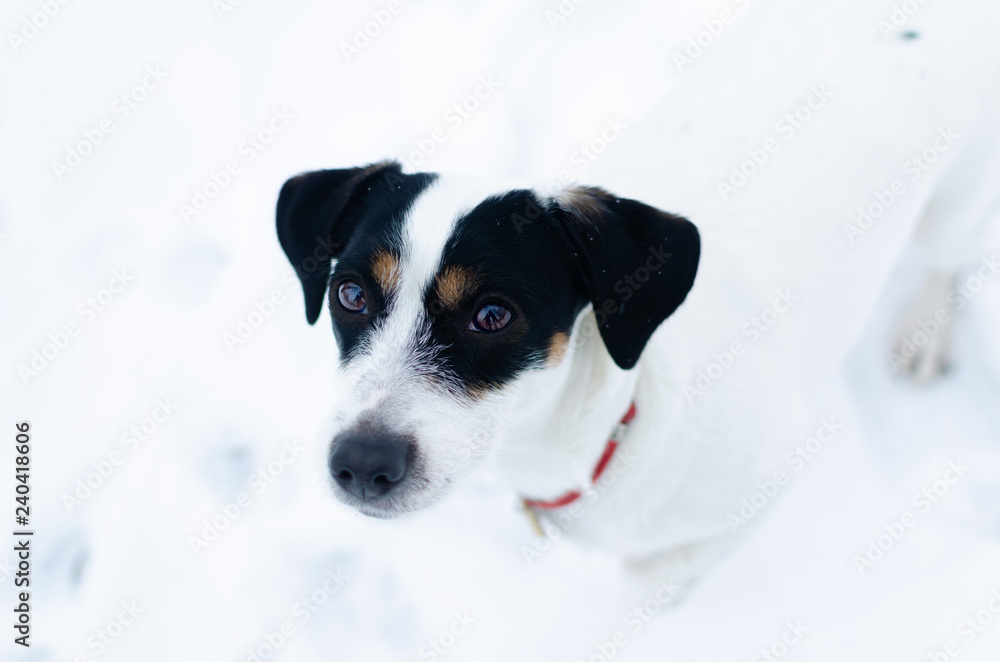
{"x":450,"y":303}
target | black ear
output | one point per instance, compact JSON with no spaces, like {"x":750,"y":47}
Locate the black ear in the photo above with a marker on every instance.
{"x":638,"y":264}
{"x":315,"y":220}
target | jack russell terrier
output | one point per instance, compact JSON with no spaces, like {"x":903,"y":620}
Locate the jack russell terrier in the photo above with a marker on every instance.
{"x":675,"y":317}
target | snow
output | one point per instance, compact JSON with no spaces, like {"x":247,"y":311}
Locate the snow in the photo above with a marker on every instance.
{"x":388,"y":588}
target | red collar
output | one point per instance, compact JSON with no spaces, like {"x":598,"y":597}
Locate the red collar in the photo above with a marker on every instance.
{"x":602,"y":464}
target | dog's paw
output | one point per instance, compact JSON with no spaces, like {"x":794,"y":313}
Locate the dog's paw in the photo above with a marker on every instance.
{"x":920,"y":363}
{"x":666,"y":578}
{"x":921,"y":351}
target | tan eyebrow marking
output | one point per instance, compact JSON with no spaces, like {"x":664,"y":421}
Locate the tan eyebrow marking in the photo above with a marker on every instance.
{"x":453,"y":284}
{"x":385,"y":268}
{"x":479,"y":391}
{"x":557,"y":348}
{"x":586,"y":202}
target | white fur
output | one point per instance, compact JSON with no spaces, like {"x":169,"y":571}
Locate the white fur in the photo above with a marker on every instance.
{"x":784,"y":230}
{"x":391,"y":380}
{"x":694,"y":458}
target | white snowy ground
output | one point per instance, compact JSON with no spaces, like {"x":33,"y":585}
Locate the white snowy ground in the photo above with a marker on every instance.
{"x":386,"y":590}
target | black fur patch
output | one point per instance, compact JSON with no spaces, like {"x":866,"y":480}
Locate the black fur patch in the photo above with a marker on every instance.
{"x":542,"y":260}
{"x":639,"y":264}
{"x":527,"y":268}
{"x":378,"y":228}
{"x":345,"y":215}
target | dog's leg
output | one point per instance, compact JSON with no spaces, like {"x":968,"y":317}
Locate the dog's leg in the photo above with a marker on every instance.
{"x":667,"y":577}
{"x":964,"y":206}
{"x":921,"y":350}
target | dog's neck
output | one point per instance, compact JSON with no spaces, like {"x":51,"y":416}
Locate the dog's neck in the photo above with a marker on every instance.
{"x":557,"y":432}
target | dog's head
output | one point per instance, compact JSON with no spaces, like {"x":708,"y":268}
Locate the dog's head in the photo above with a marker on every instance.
{"x":449,"y":301}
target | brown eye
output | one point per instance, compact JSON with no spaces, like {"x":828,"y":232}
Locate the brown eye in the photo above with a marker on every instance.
{"x":490,"y":318}
{"x":351,"y":297}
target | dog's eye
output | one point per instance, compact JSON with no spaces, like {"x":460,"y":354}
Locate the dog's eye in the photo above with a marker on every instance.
{"x":352,"y":297}
{"x":490,"y":318}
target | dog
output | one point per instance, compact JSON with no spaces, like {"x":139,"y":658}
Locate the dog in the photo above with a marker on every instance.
{"x":667,"y":324}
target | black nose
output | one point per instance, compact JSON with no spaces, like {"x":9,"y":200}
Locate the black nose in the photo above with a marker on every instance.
{"x":370,"y":464}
